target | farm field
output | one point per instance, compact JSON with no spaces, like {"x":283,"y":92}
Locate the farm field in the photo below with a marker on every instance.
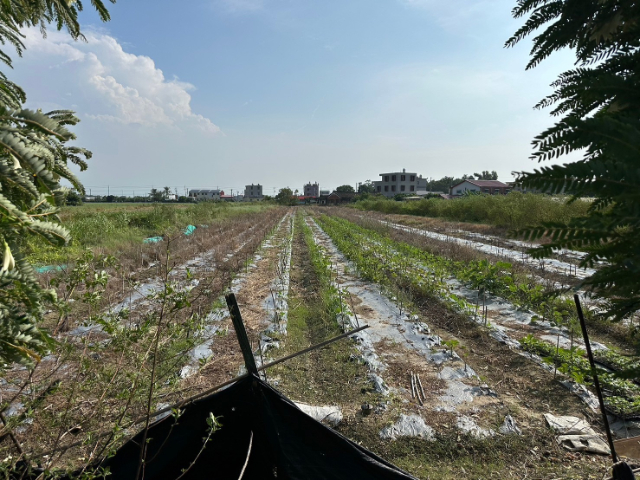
{"x":464,"y":355}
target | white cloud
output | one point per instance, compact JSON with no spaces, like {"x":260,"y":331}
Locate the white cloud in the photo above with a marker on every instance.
{"x":115,"y":85}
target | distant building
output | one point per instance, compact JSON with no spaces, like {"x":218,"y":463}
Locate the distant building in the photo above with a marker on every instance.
{"x":305,"y":200}
{"x":518,"y":187}
{"x":491,"y":187}
{"x":311,"y":190}
{"x":205,"y":195}
{"x":393,"y":183}
{"x":253,"y":193}
{"x":325,"y":192}
{"x":340,"y":197}
{"x":172,"y":197}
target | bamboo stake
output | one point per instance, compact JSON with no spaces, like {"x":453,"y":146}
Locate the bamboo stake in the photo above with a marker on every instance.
{"x":413,"y":386}
{"x":421,"y":389}
{"x":415,"y":383}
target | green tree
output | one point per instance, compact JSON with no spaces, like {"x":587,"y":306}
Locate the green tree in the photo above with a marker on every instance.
{"x":166,"y":192}
{"x":445,"y":183}
{"x":34,"y":157}
{"x":486,"y":175}
{"x":598,"y":110}
{"x":366,"y":187}
{"x":285,"y":197}
{"x":156,"y":195}
{"x":345,"y":189}
{"x":73,"y":198}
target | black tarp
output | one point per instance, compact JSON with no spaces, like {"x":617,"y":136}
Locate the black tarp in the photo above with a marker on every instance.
{"x":286,"y":443}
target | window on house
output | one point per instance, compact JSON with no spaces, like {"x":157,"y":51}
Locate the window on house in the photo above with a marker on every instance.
{"x":386,"y":188}
{"x":402,"y":187}
{"x":379,"y":188}
{"x":486,"y":190}
{"x":393,"y":178}
{"x":393,"y":188}
{"x":412,"y":188}
{"x":386,"y":178}
{"x":458,"y":191}
{"x":403,"y":178}
{"x":412,"y":178}
{"x":506,"y":191}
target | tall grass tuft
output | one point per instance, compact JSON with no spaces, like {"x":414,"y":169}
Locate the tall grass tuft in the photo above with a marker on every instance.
{"x":515,"y":210}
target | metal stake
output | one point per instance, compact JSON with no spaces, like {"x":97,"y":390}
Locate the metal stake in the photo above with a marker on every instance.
{"x":596,"y":382}
{"x":243,"y":339}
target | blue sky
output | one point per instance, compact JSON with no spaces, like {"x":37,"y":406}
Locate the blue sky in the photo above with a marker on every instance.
{"x":280,"y":92}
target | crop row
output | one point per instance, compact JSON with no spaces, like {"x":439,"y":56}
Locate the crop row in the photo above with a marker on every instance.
{"x":622,"y":396}
{"x":500,"y":278}
{"x":332,"y":297}
{"x":389,"y":262}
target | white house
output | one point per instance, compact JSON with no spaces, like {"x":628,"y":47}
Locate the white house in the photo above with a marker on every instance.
{"x":394,"y":183}
{"x":311,"y":190}
{"x":205,"y":195}
{"x":252,"y":193}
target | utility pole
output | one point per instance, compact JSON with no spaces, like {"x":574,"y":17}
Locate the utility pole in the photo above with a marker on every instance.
{"x":108,"y":192}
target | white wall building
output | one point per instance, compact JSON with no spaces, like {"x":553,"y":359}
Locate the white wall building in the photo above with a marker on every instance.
{"x":393,"y":183}
{"x":253,"y":193}
{"x":205,"y":195}
{"x":311,"y":190}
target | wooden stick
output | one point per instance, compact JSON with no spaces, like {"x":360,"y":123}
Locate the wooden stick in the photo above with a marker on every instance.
{"x":421,"y":389}
{"x":413,"y":387}
{"x":415,"y":383}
